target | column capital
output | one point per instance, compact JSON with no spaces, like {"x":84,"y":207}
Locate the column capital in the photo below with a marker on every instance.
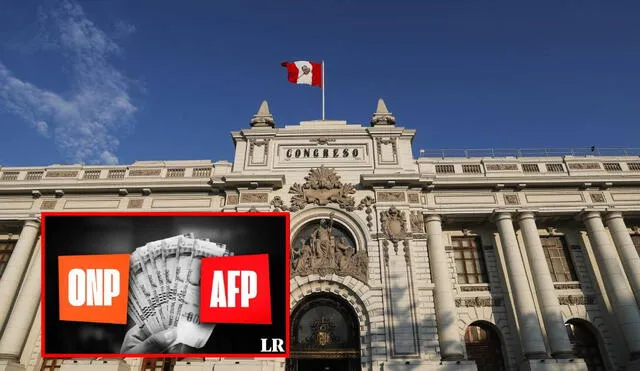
{"x":587,"y":214}
{"x":526,"y":214}
{"x":33,"y":223}
{"x":498,"y":215}
{"x":432,"y":218}
{"x":613,"y":215}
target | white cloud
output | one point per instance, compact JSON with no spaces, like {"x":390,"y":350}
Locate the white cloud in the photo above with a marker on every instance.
{"x":42,"y":127}
{"x":85,"y":120}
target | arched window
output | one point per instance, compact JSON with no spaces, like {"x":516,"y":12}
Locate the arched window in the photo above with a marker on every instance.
{"x":585,"y":344}
{"x":484,"y":347}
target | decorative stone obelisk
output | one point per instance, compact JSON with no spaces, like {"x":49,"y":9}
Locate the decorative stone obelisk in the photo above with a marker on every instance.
{"x":263,"y":118}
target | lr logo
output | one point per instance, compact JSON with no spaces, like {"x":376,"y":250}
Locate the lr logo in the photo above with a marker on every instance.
{"x":275,"y":346}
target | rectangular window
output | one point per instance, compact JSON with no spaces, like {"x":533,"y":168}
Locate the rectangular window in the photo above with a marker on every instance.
{"x":51,"y":364}
{"x":636,"y":242}
{"x":469,"y":260}
{"x":558,"y":258}
{"x":6,"y":248}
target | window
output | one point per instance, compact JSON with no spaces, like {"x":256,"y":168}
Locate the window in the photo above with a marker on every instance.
{"x":51,"y":364}
{"x":634,"y":237}
{"x":558,"y":259}
{"x":469,"y":260}
{"x":585,"y":344}
{"x":483,"y":346}
{"x":157,"y":364}
{"x":6,"y":248}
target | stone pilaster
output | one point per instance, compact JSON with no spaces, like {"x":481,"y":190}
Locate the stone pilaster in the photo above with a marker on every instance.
{"x":626,"y":250}
{"x":547,"y":298}
{"x":615,"y":281}
{"x":21,"y":319}
{"x":17,"y":265}
{"x":530,"y":331}
{"x":451,"y":346}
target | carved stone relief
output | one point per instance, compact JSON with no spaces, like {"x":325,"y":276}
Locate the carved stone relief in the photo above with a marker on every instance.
{"x":479,"y":302}
{"x":414,"y":198}
{"x":576,"y":300}
{"x":278,"y":204}
{"x":417,"y":222}
{"x":584,"y":166}
{"x":144,"y":172}
{"x":474,"y":288}
{"x":135,"y":203}
{"x":390,"y":196}
{"x":326,"y":247}
{"x":597,"y":197}
{"x":566,"y":286}
{"x":366,"y":204}
{"x":501,"y":167}
{"x":62,"y":174}
{"x":322,"y":187}
{"x":511,"y":199}
{"x":250,"y":198}
{"x":232,"y":199}
{"x":48,"y":205}
{"x":394,"y":227}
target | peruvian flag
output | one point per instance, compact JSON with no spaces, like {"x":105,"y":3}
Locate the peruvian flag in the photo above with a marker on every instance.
{"x":304,"y":72}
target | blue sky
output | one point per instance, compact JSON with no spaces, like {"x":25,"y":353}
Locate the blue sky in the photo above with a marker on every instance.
{"x":115,"y":81}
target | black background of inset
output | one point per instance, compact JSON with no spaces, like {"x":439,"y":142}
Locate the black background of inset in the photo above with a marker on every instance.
{"x":88,"y":235}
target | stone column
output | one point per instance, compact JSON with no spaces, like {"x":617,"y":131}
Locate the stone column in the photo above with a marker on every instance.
{"x":547,"y":298}
{"x":626,"y":250}
{"x":530,"y":331}
{"x":16,"y":266}
{"x":615,"y":281}
{"x":451,"y":346}
{"x":21,"y":319}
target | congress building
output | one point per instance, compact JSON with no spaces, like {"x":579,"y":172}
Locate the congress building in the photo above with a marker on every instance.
{"x":478,"y":260}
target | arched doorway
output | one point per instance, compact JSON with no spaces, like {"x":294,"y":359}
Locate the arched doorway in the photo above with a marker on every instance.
{"x":484,"y":346}
{"x":325,"y":335}
{"x":585,"y":343}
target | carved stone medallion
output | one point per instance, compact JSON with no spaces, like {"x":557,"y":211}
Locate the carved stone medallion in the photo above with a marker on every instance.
{"x":394,"y":224}
{"x":326,"y":247}
{"x":323,"y":186}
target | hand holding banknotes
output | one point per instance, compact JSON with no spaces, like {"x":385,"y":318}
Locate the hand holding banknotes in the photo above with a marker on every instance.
{"x":136,"y":343}
{"x":164,"y":295}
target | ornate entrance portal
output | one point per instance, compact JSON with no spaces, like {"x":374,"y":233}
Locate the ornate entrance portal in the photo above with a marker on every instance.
{"x":325,"y":335}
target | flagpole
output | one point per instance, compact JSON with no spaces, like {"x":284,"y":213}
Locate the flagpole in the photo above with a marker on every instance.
{"x":322,"y":90}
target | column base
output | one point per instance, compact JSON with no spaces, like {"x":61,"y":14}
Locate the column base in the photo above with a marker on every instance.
{"x":571,"y":364}
{"x":11,"y":365}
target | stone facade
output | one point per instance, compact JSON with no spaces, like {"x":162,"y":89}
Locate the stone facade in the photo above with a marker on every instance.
{"x":399,"y":217}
